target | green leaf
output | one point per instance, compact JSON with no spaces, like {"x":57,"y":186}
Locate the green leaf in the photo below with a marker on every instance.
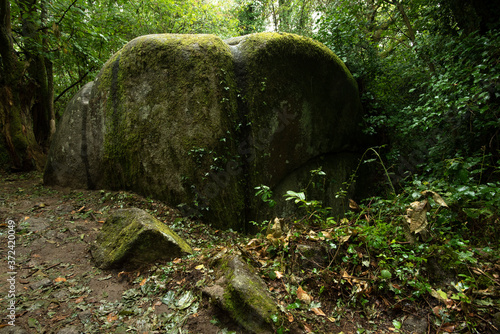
{"x":385,"y":274}
{"x":169,"y":298}
{"x":294,"y":305}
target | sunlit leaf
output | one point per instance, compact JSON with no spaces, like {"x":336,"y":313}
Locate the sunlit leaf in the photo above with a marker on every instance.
{"x":416,"y":216}
{"x":169,"y":298}
{"x":303,"y":296}
{"x":185,"y":300}
{"x":439,"y":294}
{"x":318,"y":311}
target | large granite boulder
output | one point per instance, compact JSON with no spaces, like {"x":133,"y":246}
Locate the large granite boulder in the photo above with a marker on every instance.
{"x":200,"y":122}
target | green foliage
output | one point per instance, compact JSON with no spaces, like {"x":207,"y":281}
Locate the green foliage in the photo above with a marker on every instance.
{"x":250,"y":14}
{"x":78,"y":37}
{"x":266,"y":195}
{"x":458,"y":104}
{"x":428,"y":81}
{"x":371,"y":252}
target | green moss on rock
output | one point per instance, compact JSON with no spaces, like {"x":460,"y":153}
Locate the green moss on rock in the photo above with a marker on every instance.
{"x":132,"y":238}
{"x":164,"y":96}
{"x":243,"y":294}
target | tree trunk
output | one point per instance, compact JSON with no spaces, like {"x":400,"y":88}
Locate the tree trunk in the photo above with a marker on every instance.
{"x":19,"y":148}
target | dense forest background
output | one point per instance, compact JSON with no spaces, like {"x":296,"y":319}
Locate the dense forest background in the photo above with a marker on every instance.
{"x":428,"y":70}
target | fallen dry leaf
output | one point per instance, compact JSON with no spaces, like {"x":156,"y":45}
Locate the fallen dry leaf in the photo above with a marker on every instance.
{"x":416,"y":216}
{"x":79,"y":299}
{"x":448,"y":328}
{"x":59,"y":318}
{"x":200,"y":267}
{"x":318,"y":311}
{"x":177,"y":260}
{"x":290,"y":317}
{"x":60,"y":279}
{"x":353,"y":205}
{"x":437,"y":310}
{"x":112,"y":317}
{"x":308,"y":328}
{"x":435,"y":196}
{"x":143,"y":282}
{"x":303,"y":296}
{"x":279,"y":274}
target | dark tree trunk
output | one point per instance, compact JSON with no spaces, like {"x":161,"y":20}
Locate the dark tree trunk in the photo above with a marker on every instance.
{"x":25,"y":104}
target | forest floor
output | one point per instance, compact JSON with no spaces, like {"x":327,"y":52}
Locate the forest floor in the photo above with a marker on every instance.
{"x":58,"y":289}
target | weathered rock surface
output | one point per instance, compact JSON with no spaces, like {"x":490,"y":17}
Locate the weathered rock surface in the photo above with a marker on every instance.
{"x":132,"y":237}
{"x":199,"y":122}
{"x":66,"y":164}
{"x":242,"y":294}
{"x":13,"y":330}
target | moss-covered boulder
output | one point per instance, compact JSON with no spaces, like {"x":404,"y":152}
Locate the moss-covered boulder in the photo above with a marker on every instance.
{"x":131,"y":238}
{"x":302,"y":107}
{"x":242,"y":294}
{"x":199,"y":122}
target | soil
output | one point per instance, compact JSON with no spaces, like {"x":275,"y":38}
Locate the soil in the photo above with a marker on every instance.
{"x":58,"y":289}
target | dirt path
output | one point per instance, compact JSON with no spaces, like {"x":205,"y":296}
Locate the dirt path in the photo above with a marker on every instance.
{"x":58,"y":290}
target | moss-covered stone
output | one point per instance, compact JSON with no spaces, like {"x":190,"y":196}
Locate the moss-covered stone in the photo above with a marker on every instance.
{"x":132,"y":238}
{"x":301,"y":104}
{"x":242,"y":294}
{"x":161,"y":100}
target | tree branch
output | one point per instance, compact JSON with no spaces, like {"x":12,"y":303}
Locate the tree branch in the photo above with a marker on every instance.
{"x":73,"y":85}
{"x":65,"y":12}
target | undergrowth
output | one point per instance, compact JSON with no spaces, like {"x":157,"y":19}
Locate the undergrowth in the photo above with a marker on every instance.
{"x":387,"y":256}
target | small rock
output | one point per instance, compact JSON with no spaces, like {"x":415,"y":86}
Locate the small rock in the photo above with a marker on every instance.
{"x":13,"y":330}
{"x":69,"y":330}
{"x":61,"y":295}
{"x":41,"y":284}
{"x":85,"y":316}
{"x":242,"y":294}
{"x":414,"y":325}
{"x":37,"y":224}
